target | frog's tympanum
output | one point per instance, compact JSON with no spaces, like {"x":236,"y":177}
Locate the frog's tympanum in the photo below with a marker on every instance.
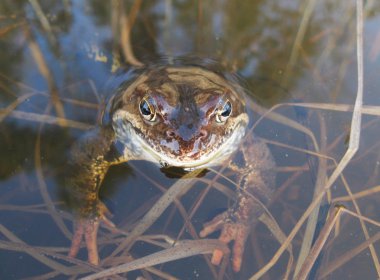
{"x":182,"y":116}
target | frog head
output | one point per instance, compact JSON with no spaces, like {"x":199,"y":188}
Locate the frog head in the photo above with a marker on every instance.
{"x":179,"y":116}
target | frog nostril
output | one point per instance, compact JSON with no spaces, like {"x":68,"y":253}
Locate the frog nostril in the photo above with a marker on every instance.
{"x":170,"y":133}
{"x":203,"y":134}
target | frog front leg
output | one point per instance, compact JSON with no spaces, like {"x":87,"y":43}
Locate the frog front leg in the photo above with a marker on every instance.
{"x":89,"y":161}
{"x":256,"y":178}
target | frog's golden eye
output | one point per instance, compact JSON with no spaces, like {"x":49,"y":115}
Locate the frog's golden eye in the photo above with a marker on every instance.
{"x":147,"y":110}
{"x":223,"y":114}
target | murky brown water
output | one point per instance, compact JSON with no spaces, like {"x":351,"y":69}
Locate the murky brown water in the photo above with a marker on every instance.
{"x":57,"y":59}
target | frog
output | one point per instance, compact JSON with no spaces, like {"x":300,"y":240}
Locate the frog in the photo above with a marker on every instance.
{"x":174,"y":115}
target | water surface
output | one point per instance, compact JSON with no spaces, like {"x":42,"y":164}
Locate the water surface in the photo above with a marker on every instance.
{"x":58,"y":58}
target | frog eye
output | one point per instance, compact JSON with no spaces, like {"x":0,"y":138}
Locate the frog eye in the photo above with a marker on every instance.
{"x":147,"y":110}
{"x":223,"y":114}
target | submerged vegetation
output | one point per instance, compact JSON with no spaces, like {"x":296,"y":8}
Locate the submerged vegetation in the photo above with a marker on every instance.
{"x":305,"y":64}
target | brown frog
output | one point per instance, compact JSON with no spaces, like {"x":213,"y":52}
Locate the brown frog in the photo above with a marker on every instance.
{"x":174,"y":115}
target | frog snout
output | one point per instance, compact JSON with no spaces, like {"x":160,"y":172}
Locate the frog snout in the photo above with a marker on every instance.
{"x":187,"y":135}
{"x":203,"y":134}
{"x":170,"y":133}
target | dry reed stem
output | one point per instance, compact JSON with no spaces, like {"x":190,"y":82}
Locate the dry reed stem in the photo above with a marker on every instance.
{"x":116,"y":261}
{"x":317,"y":247}
{"x":353,"y":147}
{"x":270,"y":114}
{"x":126,"y":24}
{"x":355,"y":127}
{"x":313,"y":218}
{"x":312,"y":256}
{"x":298,"y":40}
{"x":19,"y":84}
{"x":8,"y":110}
{"x":165,"y":200}
{"x":33,"y":252}
{"x":275,"y":229}
{"x":365,"y":110}
{"x":301,"y":150}
{"x":364,"y":228}
{"x":46,"y":73}
{"x":130,"y":239}
{"x":177,"y":203}
{"x":342,"y":259}
{"x":44,"y":21}
{"x":46,"y":119}
{"x":9,"y":28}
{"x":41,"y":254}
{"x":357,"y":195}
{"x":182,"y":249}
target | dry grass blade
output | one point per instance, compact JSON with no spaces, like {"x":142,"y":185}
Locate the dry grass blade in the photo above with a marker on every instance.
{"x":45,"y":119}
{"x":361,"y":194}
{"x":20,"y":85}
{"x":318,"y":245}
{"x":6,"y":29}
{"x":44,"y":21}
{"x":368,"y":220}
{"x":349,"y":255}
{"x":297,"y":42}
{"x":312,"y":221}
{"x":352,"y":148}
{"x":43,"y":252}
{"x":355,"y":127}
{"x":34,"y":252}
{"x":324,"y":235}
{"x":365,"y":110}
{"x":182,"y":249}
{"x":362,"y":224}
{"x":155,"y":212}
{"x":46,"y":73}
{"x":270,"y":222}
{"x":126,"y":27}
{"x":27,"y":209}
{"x":293,"y":148}
{"x":8,"y":110}
{"x":270,"y":114}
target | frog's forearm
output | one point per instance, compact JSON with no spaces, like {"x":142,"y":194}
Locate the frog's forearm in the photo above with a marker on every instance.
{"x":88,"y":164}
{"x":257,"y":180}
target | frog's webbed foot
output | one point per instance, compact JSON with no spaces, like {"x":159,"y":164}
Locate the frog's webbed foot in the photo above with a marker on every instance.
{"x":87,"y":228}
{"x":230,"y":230}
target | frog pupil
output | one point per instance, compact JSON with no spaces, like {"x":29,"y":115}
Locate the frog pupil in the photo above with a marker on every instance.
{"x":144,"y":108}
{"x":226,"y":109}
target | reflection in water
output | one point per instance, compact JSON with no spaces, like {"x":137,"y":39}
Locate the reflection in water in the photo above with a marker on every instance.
{"x":71,"y":47}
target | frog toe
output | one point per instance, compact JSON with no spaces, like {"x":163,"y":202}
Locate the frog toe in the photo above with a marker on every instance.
{"x":230,"y":231}
{"x":87,"y":229}
{"x":238,"y":233}
{"x":76,"y":240}
{"x":241,"y":235}
{"x":90,"y":236}
{"x":214,"y":225}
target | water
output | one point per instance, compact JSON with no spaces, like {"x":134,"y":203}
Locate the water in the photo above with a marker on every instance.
{"x":74,"y":57}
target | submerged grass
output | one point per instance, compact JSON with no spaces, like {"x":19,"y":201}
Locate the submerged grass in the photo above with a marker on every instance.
{"x":177,"y":248}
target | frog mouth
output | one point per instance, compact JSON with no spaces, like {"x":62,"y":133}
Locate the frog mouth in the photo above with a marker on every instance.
{"x":213,"y":154}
